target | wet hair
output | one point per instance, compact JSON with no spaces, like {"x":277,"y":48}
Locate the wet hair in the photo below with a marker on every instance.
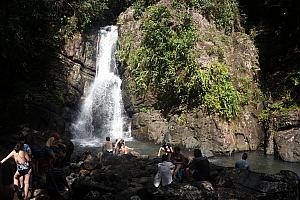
{"x":164,"y":157}
{"x":197,"y":153}
{"x":244,"y":156}
{"x":19,"y":147}
{"x":107,"y":138}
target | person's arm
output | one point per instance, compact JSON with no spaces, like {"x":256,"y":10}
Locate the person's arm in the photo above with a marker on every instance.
{"x":49,"y":142}
{"x":247,"y":166}
{"x":116,"y":150}
{"x":66,"y":184}
{"x":192,"y":165}
{"x":172,"y":166}
{"x":158,"y":154}
{"x":61,"y":143}
{"x":7,"y":157}
{"x":26,"y":156}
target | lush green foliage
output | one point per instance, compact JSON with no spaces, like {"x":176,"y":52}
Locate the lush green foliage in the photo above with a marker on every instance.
{"x":221,"y":96}
{"x":141,"y":5}
{"x":165,"y":63}
{"x":280,"y":110}
{"x":225,"y":13}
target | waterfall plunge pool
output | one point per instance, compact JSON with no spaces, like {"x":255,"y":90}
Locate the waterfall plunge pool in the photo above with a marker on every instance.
{"x":259,"y":162}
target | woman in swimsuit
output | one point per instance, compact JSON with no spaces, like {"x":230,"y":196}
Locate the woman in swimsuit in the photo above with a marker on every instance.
{"x":166,"y":148}
{"x":23,"y":167}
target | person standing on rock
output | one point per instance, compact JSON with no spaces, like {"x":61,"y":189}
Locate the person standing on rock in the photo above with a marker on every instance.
{"x":164,"y":172}
{"x":243,"y":163}
{"x":27,"y":149}
{"x":23,"y":168}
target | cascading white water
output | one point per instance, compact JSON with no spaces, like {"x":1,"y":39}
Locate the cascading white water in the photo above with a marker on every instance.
{"x":101,"y":112}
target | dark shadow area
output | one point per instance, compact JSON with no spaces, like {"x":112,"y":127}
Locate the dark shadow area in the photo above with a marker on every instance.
{"x":276,"y":28}
{"x":32,"y":33}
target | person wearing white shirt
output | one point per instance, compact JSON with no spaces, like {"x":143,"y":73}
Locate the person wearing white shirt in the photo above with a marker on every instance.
{"x":164,"y":173}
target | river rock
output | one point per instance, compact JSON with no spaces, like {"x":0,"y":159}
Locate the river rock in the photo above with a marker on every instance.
{"x":132,"y":179}
{"x":246,"y":184}
{"x":287,"y":144}
{"x":285,"y":128}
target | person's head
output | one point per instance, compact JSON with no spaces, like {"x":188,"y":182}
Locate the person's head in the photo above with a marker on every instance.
{"x":107,"y":138}
{"x":56,"y":136}
{"x":21,"y":139}
{"x":164,"y":157}
{"x":244,"y":156}
{"x":176,"y":149}
{"x":197,"y":153}
{"x":19,"y":147}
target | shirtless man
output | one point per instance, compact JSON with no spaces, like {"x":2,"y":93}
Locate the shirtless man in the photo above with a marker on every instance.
{"x":23,"y":168}
{"x":107,"y":147}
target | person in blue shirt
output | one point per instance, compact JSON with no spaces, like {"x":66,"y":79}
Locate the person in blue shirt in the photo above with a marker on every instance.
{"x":243,"y":163}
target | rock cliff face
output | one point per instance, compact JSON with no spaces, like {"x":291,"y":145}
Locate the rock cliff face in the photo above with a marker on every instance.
{"x":286,"y":135}
{"x":71,"y":70}
{"x":198,"y":128}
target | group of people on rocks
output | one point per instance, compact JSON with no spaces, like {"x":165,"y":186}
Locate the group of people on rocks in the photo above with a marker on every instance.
{"x":28,"y":160}
{"x":175,"y":167}
{"x":119,"y":148}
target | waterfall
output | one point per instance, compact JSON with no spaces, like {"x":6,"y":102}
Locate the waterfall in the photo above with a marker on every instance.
{"x":101,"y":111}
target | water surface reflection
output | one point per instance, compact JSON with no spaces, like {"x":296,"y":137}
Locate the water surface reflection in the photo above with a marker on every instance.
{"x":258,"y":162}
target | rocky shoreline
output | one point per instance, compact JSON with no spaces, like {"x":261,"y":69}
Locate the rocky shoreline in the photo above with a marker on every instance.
{"x":129,"y":177}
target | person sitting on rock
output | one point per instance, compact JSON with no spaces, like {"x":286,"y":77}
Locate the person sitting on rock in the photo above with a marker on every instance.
{"x":107,"y":148}
{"x":164,"y":172}
{"x":121,"y":148}
{"x":178,"y":160}
{"x":243,"y":163}
{"x":166,"y":148}
{"x":199,"y":166}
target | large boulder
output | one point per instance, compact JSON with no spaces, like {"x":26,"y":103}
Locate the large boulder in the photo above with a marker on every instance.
{"x":286,"y":131}
{"x":196,"y":127}
{"x":287,"y":144}
{"x":235,"y":184}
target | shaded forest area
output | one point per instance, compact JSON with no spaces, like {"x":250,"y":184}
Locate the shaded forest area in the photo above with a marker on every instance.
{"x":275,"y":25}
